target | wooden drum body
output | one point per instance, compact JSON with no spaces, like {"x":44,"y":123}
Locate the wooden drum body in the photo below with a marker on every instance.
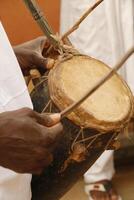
{"x":89,"y":130}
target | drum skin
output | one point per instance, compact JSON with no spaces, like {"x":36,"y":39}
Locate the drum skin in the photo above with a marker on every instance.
{"x":73,"y":156}
{"x":105,"y":110}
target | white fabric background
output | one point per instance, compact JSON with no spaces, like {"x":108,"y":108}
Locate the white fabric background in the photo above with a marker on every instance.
{"x":13,"y":95}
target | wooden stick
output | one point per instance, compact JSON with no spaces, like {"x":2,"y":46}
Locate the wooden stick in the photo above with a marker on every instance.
{"x":76,"y":25}
{"x":41,"y":20}
{"x":45,"y":27}
{"x":72,"y":107}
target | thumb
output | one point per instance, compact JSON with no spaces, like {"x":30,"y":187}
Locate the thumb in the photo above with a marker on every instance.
{"x":43,"y":62}
{"x":51,"y":119}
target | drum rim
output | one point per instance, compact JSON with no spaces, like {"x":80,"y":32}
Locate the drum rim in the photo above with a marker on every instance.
{"x":97,"y":124}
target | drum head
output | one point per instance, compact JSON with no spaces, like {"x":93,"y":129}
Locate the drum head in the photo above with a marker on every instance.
{"x":109,"y":108}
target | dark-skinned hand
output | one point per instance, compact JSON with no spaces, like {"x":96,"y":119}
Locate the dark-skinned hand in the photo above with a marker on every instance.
{"x":28,"y":139}
{"x":30,"y":54}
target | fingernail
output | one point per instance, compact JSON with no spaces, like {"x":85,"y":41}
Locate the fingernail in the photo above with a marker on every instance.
{"x":55,"y":116}
{"x":52,"y":119}
{"x":50,"y":63}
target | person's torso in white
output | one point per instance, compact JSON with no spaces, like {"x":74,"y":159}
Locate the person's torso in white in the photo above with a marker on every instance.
{"x":13,"y":95}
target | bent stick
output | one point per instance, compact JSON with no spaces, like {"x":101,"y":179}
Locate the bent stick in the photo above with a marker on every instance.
{"x":81,"y":19}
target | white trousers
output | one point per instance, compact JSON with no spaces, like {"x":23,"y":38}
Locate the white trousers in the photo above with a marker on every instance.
{"x":106,"y":35}
{"x":103,"y":168}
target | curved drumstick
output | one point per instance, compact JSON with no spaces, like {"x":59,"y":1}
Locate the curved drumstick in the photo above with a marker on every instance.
{"x":73,"y":106}
{"x":81,"y":19}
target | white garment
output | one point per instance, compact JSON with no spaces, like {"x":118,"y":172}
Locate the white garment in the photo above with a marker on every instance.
{"x":106,"y":34}
{"x":13,"y":95}
{"x":103,"y":169}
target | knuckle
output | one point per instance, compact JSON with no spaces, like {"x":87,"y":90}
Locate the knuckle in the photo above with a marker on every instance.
{"x":41,"y":38}
{"x":34,"y":55}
